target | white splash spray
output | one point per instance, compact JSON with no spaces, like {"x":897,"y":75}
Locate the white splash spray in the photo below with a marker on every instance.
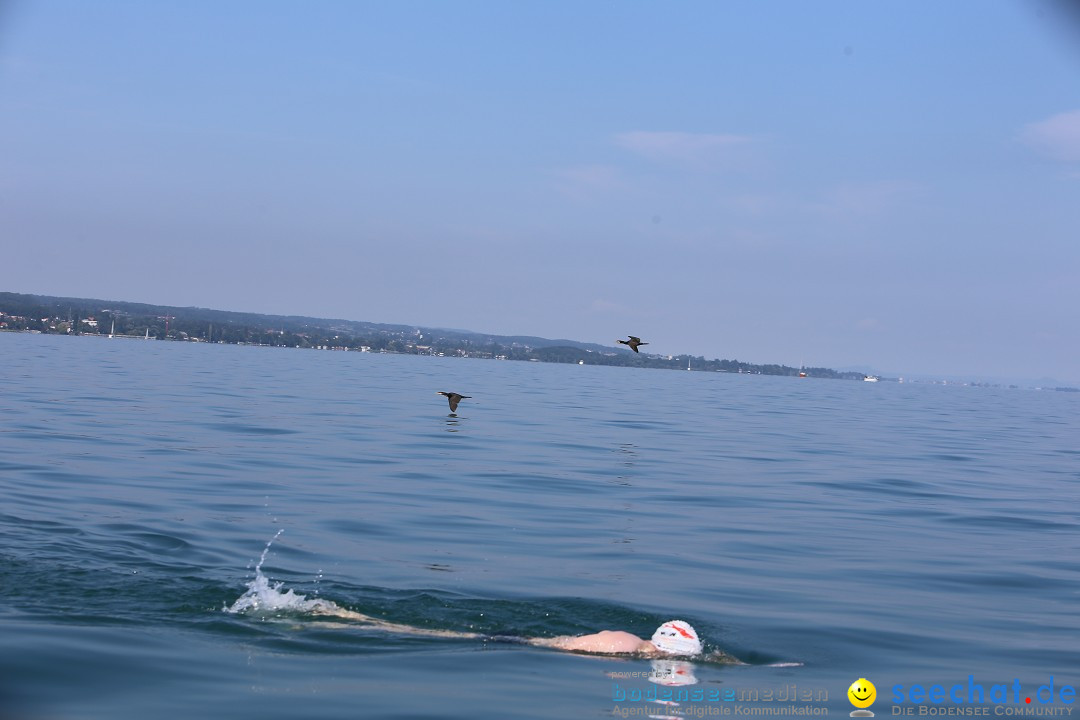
{"x":267,"y":599}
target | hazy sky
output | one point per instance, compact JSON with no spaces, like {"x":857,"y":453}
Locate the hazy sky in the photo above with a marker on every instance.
{"x":889,"y":184}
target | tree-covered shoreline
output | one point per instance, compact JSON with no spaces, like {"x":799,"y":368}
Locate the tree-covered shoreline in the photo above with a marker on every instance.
{"x":81,"y":316}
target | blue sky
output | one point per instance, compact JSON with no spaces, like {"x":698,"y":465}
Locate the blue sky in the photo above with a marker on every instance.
{"x":889,"y":184}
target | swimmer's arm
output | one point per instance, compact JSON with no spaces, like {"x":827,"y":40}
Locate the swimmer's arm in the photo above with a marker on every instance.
{"x":342,"y":613}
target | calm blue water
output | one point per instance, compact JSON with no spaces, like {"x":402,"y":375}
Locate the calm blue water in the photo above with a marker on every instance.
{"x":902,"y":533}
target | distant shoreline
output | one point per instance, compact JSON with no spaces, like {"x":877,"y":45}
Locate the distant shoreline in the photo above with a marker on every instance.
{"x":64,"y":315}
{"x":140,"y":321}
{"x":953,"y":383}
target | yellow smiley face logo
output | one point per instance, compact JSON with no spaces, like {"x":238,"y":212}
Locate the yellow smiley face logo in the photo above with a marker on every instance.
{"x":862,"y":693}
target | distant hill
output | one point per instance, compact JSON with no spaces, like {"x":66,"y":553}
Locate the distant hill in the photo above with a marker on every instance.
{"x":61,"y":307}
{"x":64,"y":315}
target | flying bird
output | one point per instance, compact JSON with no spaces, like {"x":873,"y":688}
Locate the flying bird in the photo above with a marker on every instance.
{"x":633,"y":342}
{"x":454,"y":399}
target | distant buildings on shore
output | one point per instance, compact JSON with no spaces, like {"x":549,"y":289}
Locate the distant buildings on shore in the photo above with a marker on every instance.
{"x":244,"y":329}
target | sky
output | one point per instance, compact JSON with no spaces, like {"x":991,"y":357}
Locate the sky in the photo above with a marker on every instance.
{"x":888,"y":185}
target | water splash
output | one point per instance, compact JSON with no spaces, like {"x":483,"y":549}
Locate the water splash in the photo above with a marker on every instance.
{"x":267,"y":599}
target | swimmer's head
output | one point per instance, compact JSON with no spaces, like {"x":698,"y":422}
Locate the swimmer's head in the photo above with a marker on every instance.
{"x":676,"y":637}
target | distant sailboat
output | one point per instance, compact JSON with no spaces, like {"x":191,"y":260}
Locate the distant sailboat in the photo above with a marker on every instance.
{"x":112,"y":330}
{"x":147,"y":333}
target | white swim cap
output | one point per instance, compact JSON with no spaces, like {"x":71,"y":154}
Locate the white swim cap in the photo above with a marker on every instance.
{"x":676,"y":637}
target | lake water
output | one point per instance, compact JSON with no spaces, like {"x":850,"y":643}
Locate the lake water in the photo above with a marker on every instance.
{"x":819,"y":530}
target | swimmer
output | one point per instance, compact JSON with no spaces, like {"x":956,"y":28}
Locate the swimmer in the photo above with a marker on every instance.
{"x":675,"y":638}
